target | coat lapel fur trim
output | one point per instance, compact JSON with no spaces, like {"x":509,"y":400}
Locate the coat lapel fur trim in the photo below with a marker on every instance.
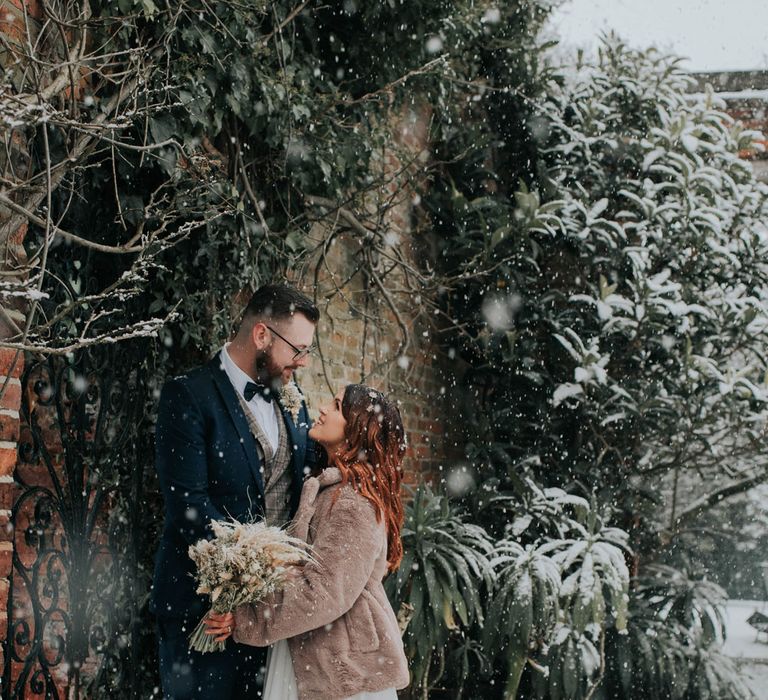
{"x":312,"y":487}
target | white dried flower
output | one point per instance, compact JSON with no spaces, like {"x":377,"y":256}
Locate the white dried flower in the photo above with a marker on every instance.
{"x":291,"y":399}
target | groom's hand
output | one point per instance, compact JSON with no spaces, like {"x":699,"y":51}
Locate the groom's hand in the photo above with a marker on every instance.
{"x":220,"y":626}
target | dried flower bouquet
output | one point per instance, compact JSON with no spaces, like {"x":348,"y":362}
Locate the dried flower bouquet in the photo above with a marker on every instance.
{"x":243,"y":563}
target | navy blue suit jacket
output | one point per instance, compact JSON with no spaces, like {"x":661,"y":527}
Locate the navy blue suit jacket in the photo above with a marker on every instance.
{"x":209,"y":469}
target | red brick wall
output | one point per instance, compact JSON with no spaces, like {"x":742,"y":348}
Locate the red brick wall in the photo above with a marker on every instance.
{"x":420,"y":389}
{"x":10,"y":404}
{"x":353,"y":350}
{"x":13,"y":17}
{"x":753,"y":114}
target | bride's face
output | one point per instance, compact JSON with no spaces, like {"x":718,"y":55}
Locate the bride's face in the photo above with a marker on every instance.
{"x":329,"y":428}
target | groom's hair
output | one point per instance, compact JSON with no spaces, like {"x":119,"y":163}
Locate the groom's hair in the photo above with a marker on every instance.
{"x":279,"y":302}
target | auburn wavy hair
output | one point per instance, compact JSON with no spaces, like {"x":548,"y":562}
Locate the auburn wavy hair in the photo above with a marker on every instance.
{"x":372,"y":457}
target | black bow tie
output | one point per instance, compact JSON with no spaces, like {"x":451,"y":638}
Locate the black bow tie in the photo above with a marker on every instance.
{"x":252,"y":389}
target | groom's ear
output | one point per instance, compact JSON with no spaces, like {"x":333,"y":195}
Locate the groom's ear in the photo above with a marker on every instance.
{"x":260,"y":335}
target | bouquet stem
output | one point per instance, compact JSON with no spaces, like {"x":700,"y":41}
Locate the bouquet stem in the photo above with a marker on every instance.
{"x":202,"y":642}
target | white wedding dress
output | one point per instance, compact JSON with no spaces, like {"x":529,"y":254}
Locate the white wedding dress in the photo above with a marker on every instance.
{"x":280,"y":683}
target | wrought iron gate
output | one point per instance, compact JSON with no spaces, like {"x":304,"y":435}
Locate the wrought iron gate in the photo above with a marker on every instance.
{"x":79,"y":530}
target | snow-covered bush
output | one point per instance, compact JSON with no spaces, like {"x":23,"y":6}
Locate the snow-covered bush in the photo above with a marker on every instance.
{"x":553,"y":600}
{"x":613,"y":324}
{"x":669,"y":651}
{"x":546,"y":602}
{"x":665,"y":312}
{"x":524,"y":606}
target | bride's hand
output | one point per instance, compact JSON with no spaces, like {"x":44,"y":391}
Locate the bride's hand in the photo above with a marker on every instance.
{"x":220,"y":626}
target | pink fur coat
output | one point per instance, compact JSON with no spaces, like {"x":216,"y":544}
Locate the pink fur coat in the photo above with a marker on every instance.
{"x":342,"y":631}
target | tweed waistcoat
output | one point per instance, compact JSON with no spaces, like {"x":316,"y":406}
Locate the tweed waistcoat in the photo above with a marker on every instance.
{"x":275,"y":467}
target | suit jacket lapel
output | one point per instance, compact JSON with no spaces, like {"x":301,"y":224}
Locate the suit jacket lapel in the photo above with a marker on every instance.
{"x":232,"y":403}
{"x":296,"y":439}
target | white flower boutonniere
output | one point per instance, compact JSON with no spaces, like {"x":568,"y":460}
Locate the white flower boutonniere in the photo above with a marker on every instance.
{"x":290,"y":399}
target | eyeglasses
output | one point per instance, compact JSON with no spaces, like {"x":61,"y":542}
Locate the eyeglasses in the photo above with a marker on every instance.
{"x":299,"y":353}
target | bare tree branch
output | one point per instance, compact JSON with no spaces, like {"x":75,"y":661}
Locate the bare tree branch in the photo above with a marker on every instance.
{"x":713,"y":499}
{"x":71,"y":237}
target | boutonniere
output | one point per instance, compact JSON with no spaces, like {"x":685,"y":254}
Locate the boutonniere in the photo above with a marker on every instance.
{"x":291,"y":399}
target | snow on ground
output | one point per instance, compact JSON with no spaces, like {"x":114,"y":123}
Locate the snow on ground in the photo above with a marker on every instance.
{"x":742,"y":643}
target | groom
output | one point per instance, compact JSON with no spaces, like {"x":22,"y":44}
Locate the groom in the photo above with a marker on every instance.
{"x":228,"y":444}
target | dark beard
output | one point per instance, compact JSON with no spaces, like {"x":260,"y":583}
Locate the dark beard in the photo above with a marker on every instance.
{"x":267,"y":372}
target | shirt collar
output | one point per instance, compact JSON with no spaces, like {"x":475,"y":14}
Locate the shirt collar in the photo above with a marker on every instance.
{"x":238,"y":378}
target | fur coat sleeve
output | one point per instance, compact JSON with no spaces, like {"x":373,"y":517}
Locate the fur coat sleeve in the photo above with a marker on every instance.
{"x":346,"y":546}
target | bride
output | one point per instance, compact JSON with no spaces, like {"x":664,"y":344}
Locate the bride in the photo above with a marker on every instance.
{"x":334,"y":633}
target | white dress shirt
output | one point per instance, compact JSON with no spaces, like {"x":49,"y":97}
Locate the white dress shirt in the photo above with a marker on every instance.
{"x":260,"y":407}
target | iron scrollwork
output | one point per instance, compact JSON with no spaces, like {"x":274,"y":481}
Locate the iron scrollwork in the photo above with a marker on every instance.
{"x":72,"y":598}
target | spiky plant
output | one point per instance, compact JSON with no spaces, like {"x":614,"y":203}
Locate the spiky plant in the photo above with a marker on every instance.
{"x":445,"y":569}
